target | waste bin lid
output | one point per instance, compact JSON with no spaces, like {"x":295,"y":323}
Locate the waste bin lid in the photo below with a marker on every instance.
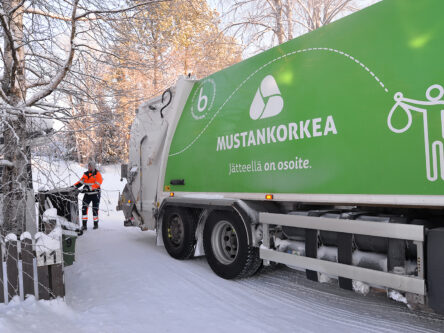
{"x":69,"y":233}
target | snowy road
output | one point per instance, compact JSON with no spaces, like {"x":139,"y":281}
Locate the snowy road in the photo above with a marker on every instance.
{"x":122,"y":282}
{"x":149,"y":291}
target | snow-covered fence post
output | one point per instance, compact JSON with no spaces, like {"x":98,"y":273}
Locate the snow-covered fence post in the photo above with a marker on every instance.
{"x":31,"y":268}
{"x":27,"y":256}
{"x":57,"y":279}
{"x":50,"y":264}
{"x":43,"y":282}
{"x":42,"y":270}
{"x":12,"y":265}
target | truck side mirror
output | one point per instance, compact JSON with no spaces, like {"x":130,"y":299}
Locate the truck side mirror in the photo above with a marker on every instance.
{"x":123,"y":171}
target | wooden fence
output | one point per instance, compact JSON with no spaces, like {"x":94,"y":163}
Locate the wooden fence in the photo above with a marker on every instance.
{"x":31,"y":266}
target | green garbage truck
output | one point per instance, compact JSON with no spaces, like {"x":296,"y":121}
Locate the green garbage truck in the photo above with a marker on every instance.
{"x":324,"y":153}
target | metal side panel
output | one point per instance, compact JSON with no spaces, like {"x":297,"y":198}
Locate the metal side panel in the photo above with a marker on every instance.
{"x":346,"y":199}
{"x":389,"y":230}
{"x":389,"y":280}
{"x":198,"y":202}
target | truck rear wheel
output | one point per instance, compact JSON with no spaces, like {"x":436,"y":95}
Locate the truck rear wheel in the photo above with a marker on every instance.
{"x":178,"y":232}
{"x":226,"y":246}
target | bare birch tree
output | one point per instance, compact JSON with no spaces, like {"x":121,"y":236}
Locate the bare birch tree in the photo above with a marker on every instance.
{"x":266,"y":23}
{"x":42,"y":41}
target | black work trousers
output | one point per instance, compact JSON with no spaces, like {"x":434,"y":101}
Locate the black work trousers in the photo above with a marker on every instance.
{"x":87,"y":199}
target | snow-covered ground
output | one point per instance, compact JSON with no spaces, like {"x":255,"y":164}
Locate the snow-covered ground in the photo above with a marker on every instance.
{"x":122,"y":282}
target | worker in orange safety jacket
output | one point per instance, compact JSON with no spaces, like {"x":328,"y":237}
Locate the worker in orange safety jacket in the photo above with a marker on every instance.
{"x":91,"y":181}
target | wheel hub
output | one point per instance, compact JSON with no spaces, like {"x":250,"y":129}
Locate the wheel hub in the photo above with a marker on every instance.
{"x":175,"y":231}
{"x":224,"y":242}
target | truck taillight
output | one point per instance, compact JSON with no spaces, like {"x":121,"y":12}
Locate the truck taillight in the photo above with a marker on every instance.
{"x":268,"y":196}
{"x":171,"y":194}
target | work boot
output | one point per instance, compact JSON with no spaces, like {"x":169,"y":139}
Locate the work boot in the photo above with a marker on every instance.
{"x":84,"y":225}
{"x":96,"y":225}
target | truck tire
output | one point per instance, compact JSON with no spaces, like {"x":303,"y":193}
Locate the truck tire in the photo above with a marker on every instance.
{"x":178,"y":232}
{"x":226,"y":246}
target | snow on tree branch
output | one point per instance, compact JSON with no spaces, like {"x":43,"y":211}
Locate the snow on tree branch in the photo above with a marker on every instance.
{"x":64,"y":70}
{"x":117,"y":11}
{"x":6,"y":163}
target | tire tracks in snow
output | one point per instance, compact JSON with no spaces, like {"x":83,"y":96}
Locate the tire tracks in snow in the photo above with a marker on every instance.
{"x":372,"y":308}
{"x":323,"y":313}
{"x":322,"y":303}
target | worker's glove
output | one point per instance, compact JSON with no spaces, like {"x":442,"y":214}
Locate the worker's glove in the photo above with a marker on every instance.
{"x":86,"y":189}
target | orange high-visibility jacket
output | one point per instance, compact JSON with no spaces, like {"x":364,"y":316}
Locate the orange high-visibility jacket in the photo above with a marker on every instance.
{"x":91,"y":178}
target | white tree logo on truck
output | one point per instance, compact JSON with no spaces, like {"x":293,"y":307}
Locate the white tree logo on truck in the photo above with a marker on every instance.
{"x":434,"y":149}
{"x":268,"y":101}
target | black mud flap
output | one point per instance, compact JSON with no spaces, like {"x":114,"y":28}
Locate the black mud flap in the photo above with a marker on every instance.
{"x":127,"y":202}
{"x":345,"y":255}
{"x":435,"y":269}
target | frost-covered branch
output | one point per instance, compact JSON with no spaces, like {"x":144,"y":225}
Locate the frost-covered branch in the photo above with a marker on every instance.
{"x":6,"y":163}
{"x":117,"y":11}
{"x":64,"y":70}
{"x":55,"y":16}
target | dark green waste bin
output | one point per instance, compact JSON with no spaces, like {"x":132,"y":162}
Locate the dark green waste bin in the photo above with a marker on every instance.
{"x":69,"y":246}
